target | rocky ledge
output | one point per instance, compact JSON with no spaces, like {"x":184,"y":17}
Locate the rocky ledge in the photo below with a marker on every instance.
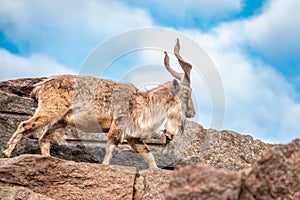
{"x":276,"y":175}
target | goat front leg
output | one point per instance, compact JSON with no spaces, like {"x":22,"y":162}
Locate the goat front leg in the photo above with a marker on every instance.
{"x":141,"y":147}
{"x":113,"y":139}
{"x":110,"y":147}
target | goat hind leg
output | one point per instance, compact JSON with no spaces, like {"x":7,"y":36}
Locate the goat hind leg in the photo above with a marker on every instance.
{"x":38,"y":121}
{"x":45,"y":147}
{"x":44,"y":142}
{"x":22,"y":129}
{"x":53,"y":134}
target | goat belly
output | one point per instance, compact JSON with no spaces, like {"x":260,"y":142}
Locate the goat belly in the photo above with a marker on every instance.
{"x":85,"y":120}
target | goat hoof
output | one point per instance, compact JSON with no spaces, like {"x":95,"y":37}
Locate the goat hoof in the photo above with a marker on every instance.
{"x":4,"y":155}
{"x":168,"y":139}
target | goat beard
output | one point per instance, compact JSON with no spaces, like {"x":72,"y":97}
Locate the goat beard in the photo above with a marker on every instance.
{"x":170,"y":137}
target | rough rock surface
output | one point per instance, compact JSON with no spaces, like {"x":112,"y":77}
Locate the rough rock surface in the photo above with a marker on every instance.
{"x":60,"y":179}
{"x":21,"y":87}
{"x":221,"y":149}
{"x":276,"y":175}
{"x":39,"y":177}
{"x":13,"y":104}
{"x":77,"y":153}
{"x":202,"y":181}
{"x":151,"y":184}
{"x":9,"y":192}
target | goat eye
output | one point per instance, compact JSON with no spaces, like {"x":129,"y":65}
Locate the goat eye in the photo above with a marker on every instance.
{"x":186,"y":94}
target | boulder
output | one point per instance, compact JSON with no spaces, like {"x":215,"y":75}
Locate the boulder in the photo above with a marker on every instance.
{"x":9,"y":191}
{"x":203,"y":181}
{"x":61,"y":179}
{"x":151,"y":184}
{"x":21,"y":87}
{"x":276,"y":175}
{"x":16,"y":105}
{"x":221,"y":149}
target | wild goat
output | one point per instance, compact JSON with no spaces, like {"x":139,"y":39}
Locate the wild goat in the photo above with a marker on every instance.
{"x":125,"y":112}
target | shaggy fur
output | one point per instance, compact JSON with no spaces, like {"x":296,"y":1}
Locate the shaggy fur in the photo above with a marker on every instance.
{"x":98,"y":105}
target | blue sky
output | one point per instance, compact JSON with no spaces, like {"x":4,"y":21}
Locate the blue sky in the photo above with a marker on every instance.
{"x":254,"y":44}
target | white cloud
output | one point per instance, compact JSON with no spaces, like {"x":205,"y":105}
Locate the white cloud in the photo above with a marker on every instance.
{"x":94,"y":17}
{"x":13,"y":66}
{"x":275,"y":32}
{"x":66,"y":30}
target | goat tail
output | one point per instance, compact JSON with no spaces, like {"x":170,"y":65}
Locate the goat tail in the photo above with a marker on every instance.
{"x":34,"y":94}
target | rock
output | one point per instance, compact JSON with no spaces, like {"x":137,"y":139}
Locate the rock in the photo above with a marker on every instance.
{"x":151,"y":184}
{"x":221,"y":149}
{"x":13,"y":104}
{"x":21,"y":87}
{"x":77,"y":153}
{"x":276,"y":175}
{"x":177,"y":148}
{"x":8,"y":192}
{"x":202,"y":181}
{"x":60,"y":179}
{"x":51,"y":178}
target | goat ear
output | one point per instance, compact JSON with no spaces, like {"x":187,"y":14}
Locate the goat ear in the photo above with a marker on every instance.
{"x":175,"y":85}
